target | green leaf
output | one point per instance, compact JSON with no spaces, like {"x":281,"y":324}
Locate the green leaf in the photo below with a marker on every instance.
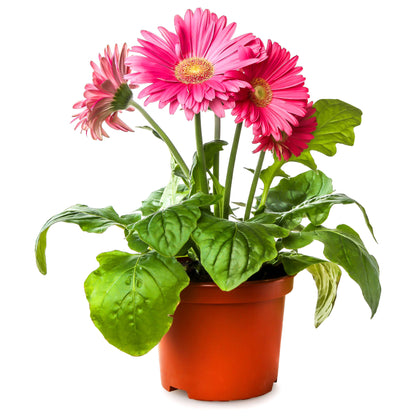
{"x":317,"y":210}
{"x":344,"y":247}
{"x":297,"y":240}
{"x":93,"y":220}
{"x":154,"y":201}
{"x":231,"y":252}
{"x":327,"y":276}
{"x":135,"y":242}
{"x":336,"y":121}
{"x":155,"y":133}
{"x":133,"y":297}
{"x":306,"y":195}
{"x":170,"y":195}
{"x":290,"y":193}
{"x":201,"y":200}
{"x":305,"y":158}
{"x":211,"y":149}
{"x":265,"y":218}
{"x":275,"y":170}
{"x":293,"y":191}
{"x":167,"y":231}
{"x":270,"y":219}
{"x":293,"y":262}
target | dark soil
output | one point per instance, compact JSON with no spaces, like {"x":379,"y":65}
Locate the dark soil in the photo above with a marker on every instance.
{"x":197,"y":273}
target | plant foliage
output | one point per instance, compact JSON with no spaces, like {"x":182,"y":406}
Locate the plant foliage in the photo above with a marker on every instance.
{"x":133,"y":295}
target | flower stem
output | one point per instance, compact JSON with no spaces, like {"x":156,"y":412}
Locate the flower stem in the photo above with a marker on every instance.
{"x":165,"y":138}
{"x":230,"y":171}
{"x":216,"y":165}
{"x":254,"y":186}
{"x":201,"y":154}
{"x":217,"y":136}
{"x":276,"y":168}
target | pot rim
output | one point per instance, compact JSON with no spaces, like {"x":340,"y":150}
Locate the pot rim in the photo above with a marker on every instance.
{"x":247,"y":292}
{"x":248,"y":282}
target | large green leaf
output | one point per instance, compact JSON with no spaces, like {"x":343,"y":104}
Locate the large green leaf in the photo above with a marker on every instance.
{"x":306,"y":195}
{"x":133,"y":297}
{"x":93,"y":220}
{"x":317,"y":210}
{"x":293,"y":191}
{"x":275,"y":170}
{"x":326,"y":276}
{"x":233,"y":251}
{"x":344,"y":247}
{"x":167,"y":231}
{"x":336,"y":121}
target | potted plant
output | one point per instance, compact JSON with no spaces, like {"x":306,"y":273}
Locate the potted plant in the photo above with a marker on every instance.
{"x":202,"y":280}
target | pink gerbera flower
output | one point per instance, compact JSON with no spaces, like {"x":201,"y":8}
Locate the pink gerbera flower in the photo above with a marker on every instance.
{"x":285,"y":146}
{"x":106,"y":96}
{"x":187,"y":68}
{"x":276,"y":96}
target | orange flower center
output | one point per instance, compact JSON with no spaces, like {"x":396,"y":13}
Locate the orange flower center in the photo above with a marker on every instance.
{"x":262,"y":94}
{"x":194,"y":70}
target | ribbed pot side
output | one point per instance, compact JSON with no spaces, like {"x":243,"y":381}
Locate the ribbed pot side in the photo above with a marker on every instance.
{"x":225,"y":345}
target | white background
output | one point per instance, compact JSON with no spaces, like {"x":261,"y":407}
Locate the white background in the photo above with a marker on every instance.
{"x":53,"y":361}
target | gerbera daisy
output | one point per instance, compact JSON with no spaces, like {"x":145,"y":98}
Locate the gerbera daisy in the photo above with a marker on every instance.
{"x":106,"y":96}
{"x":276,"y":96}
{"x":187,"y":68}
{"x":285,"y":146}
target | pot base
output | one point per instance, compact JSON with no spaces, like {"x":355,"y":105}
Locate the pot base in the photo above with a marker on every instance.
{"x":225,"y":345}
{"x":197,"y":396}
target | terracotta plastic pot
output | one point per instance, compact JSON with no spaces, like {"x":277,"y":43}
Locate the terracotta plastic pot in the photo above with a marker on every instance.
{"x":225,"y":345}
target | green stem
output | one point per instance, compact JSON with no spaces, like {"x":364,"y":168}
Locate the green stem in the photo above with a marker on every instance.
{"x":201,"y":154}
{"x":254,"y":186}
{"x":217,"y":136}
{"x":216,"y":165}
{"x":264,"y":196}
{"x":268,"y":183}
{"x":165,"y":138}
{"x":230,"y":171}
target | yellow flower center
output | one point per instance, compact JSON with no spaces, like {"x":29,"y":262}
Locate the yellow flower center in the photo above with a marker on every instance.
{"x":262,"y":93}
{"x":194,"y":70}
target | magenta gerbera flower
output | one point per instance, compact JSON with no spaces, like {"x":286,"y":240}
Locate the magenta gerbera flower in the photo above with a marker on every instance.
{"x":276,"y":96}
{"x":106,"y":96}
{"x":187,"y":68}
{"x":285,"y":146}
